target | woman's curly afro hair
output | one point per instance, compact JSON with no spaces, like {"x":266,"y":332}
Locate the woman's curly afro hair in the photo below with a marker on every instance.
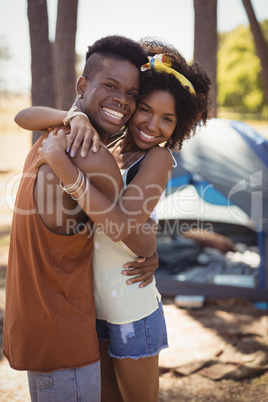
{"x":191,"y":109}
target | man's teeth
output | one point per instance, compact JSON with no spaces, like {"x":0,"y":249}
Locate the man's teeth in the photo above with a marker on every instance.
{"x":147,"y":136}
{"x":113,"y":113}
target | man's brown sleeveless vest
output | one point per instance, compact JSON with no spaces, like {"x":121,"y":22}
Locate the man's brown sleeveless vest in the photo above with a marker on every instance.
{"x":50,"y":314}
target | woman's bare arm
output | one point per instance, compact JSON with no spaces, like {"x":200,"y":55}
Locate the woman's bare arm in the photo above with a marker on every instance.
{"x":143,"y":241}
{"x":40,"y":118}
{"x":137,"y":201}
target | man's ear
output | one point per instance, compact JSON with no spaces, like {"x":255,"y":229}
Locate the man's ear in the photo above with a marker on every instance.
{"x":81,"y":85}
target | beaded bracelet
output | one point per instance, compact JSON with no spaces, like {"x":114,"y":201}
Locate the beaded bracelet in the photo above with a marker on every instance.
{"x":74,"y":111}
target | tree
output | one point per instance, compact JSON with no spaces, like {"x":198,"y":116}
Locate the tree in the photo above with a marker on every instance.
{"x":261,"y":45}
{"x":64,"y":53}
{"x":41,"y":55}
{"x":53,"y":72}
{"x":205,"y":43}
{"x":239,"y":72}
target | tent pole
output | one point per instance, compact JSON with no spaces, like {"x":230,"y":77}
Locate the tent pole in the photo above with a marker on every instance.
{"x":263,"y":269}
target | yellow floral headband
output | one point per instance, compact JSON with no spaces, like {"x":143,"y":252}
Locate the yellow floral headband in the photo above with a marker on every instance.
{"x":162,"y":63}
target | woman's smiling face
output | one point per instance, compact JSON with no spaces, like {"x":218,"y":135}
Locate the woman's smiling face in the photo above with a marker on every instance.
{"x":154,"y":119}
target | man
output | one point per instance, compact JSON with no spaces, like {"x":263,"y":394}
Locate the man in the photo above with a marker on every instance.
{"x":50,"y":319}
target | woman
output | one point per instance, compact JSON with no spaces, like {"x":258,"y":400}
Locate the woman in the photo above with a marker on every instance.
{"x":173,"y":99}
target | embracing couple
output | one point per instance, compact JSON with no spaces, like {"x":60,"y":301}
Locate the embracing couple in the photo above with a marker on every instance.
{"x":83,"y":314}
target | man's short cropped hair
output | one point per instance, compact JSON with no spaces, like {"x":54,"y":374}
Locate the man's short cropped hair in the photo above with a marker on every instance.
{"x":112,"y":47}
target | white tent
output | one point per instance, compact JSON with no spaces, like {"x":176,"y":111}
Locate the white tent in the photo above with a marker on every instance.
{"x":227,"y":164}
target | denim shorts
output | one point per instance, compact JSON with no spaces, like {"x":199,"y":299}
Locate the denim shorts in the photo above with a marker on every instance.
{"x":82,"y":384}
{"x":142,"y":338}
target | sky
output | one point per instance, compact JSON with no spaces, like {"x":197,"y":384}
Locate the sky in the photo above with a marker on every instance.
{"x":134,"y":19}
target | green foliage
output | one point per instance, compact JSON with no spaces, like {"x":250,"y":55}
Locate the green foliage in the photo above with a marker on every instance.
{"x":239,"y":71}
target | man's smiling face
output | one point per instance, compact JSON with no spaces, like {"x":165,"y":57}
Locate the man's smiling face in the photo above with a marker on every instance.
{"x":109,"y":98}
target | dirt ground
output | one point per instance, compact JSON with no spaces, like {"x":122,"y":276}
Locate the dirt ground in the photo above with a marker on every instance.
{"x":217,"y":353}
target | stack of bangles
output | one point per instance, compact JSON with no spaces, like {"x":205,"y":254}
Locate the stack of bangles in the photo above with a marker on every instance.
{"x":74,"y":188}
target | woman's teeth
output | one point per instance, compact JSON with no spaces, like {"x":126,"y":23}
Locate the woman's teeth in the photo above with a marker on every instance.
{"x":113,"y":113}
{"x":147,"y":136}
